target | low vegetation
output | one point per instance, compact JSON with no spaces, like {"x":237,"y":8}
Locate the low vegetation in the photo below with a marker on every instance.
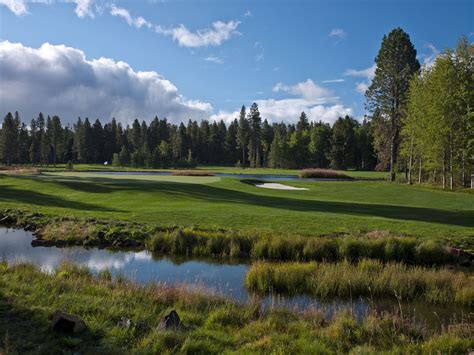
{"x":366,"y":278}
{"x":213,"y":325}
{"x":191,"y":173}
{"x":323,"y":174}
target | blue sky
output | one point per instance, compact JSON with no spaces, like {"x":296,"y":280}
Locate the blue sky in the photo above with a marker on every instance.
{"x":209,"y":57}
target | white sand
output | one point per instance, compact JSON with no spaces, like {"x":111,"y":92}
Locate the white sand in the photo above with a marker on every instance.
{"x":275,"y":186}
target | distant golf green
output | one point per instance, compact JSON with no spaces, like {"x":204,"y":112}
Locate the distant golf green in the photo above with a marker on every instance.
{"x":231,"y":203}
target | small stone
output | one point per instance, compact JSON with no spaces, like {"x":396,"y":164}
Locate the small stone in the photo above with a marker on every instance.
{"x":124,"y":322}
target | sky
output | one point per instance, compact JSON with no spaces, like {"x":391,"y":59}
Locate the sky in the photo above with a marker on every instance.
{"x":205,"y":59}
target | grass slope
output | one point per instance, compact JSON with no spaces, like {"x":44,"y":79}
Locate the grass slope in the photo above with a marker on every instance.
{"x":212,"y":202}
{"x":214,"y":325}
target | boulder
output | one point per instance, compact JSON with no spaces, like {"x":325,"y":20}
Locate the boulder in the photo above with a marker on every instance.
{"x":65,"y":323}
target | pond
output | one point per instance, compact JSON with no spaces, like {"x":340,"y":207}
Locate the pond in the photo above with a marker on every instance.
{"x":225,"y":279}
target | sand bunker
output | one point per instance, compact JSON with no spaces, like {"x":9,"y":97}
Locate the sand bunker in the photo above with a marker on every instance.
{"x":272,"y":185}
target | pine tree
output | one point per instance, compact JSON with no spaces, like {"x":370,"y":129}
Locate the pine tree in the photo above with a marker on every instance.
{"x":243,"y":134}
{"x":387,"y":94}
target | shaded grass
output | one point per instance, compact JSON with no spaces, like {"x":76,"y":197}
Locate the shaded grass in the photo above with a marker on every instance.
{"x":366,"y":278}
{"x":213,"y":325}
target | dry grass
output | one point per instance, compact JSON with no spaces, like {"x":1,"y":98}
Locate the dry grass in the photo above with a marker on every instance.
{"x":14,"y":170}
{"x":191,"y":173}
{"x":323,"y":174}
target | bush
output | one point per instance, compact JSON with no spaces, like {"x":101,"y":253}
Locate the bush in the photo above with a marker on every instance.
{"x":323,"y":174}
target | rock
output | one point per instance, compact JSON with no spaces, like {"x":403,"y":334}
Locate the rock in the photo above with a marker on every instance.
{"x":65,"y":323}
{"x":124,"y":322}
{"x":171,"y":322}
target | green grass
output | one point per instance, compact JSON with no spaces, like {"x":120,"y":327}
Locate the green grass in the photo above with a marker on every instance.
{"x":378,"y":175}
{"x":213,"y":202}
{"x":214,"y":325}
{"x":369,"y":278}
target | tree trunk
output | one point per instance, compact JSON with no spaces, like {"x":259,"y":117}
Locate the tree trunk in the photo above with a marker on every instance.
{"x":444,"y":170}
{"x":419,"y":171}
{"x":463,"y":169}
{"x":410,"y":161}
{"x":451,"y":172}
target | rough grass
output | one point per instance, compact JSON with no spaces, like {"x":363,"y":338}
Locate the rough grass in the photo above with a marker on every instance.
{"x":366,"y":278}
{"x":323,"y":174}
{"x":214,"y":325}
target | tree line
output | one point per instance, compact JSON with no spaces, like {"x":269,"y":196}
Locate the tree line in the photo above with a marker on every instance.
{"x":421,"y":122}
{"x":423,"y":117}
{"x":248,"y":141}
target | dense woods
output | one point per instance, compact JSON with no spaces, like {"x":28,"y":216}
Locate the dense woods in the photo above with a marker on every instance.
{"x":247,"y":141}
{"x":421,"y":122}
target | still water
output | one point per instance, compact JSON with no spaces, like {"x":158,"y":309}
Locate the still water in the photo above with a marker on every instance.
{"x":225,"y":279}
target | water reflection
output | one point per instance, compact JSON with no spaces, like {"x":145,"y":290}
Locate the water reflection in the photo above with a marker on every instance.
{"x":222,"y":278}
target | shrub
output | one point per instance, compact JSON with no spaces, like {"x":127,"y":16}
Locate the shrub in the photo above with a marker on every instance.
{"x":431,"y":252}
{"x":323,"y":174}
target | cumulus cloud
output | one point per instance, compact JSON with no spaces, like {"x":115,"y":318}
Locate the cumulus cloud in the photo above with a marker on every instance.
{"x":338,"y":33}
{"x":137,"y":22}
{"x":362,"y":87}
{"x":308,"y":89}
{"x":218,"y":33}
{"x":56,"y":79}
{"x":311,"y":98}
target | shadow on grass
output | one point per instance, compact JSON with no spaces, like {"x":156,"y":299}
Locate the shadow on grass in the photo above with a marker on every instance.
{"x":29,"y":331}
{"x":209,"y":193}
{"x":40,"y":199}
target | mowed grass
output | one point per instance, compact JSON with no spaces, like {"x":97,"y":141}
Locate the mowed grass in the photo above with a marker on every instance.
{"x":376,"y":175}
{"x":227,"y":203}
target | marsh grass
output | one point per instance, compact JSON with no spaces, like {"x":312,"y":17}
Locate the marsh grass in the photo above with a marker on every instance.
{"x":376,"y":245}
{"x":368,"y":277}
{"x":317,"y":173}
{"x":214,"y":325}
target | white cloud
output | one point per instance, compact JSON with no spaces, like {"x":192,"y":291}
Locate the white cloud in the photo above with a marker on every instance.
{"x":368,"y":73}
{"x":308,"y":89}
{"x":311,"y":98}
{"x":362,"y":87}
{"x":18,"y":7}
{"x":218,"y":33}
{"x":429,"y":59}
{"x":83,"y":8}
{"x":338,"y":33}
{"x":137,"y":22}
{"x":56,"y":79}
{"x":248,"y":14}
{"x":214,"y":59}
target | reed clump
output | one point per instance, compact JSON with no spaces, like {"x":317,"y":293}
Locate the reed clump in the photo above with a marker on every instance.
{"x":367,"y":277}
{"x":317,"y":173}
